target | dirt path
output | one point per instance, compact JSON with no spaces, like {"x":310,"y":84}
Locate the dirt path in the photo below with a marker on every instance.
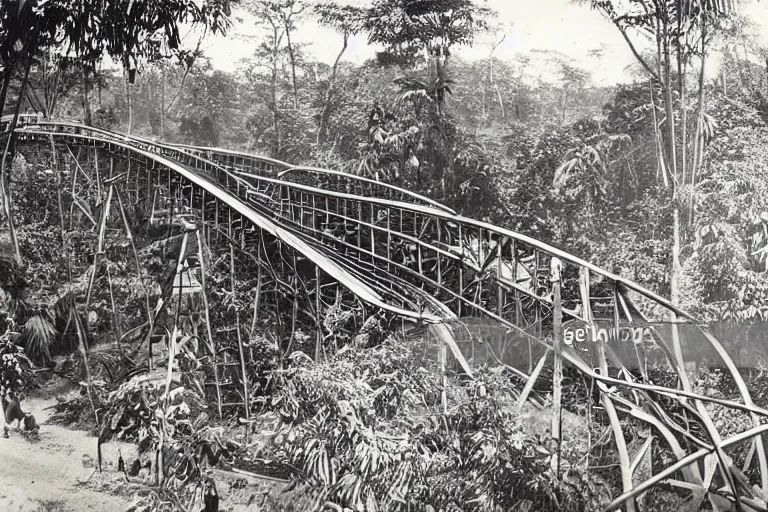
{"x":56,"y":472}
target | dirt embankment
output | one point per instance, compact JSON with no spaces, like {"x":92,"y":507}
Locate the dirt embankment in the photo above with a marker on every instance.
{"x":56,"y":471}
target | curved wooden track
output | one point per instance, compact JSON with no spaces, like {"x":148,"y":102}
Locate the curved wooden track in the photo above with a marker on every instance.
{"x":417,"y":261}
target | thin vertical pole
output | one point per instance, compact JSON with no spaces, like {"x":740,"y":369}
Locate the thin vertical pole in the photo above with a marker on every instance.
{"x":98,"y":174}
{"x":557,"y":384}
{"x":136,"y":181}
{"x":442,"y":356}
{"x":257,"y":299}
{"x":439,"y":256}
{"x":461,"y":271}
{"x":318,"y":326}
{"x":534,"y":286}
{"x":389,"y":238}
{"x":115,"y":324}
{"x":239,"y":334}
{"x":499,"y":289}
{"x":99,"y":245}
{"x":360,"y":226}
{"x":73,"y":171}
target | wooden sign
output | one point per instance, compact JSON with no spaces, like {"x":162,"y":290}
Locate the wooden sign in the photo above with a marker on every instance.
{"x":577,"y":333}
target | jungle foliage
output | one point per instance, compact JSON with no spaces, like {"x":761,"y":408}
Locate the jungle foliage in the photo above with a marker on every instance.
{"x":576,"y":165}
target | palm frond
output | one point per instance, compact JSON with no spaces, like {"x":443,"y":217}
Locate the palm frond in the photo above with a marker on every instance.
{"x":37,"y":335}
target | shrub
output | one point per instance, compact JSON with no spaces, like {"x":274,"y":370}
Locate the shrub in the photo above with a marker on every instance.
{"x":15,"y":368}
{"x":366,"y":431}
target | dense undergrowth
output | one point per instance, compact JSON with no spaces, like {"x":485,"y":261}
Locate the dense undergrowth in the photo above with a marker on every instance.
{"x":373,"y":427}
{"x":367,"y":430}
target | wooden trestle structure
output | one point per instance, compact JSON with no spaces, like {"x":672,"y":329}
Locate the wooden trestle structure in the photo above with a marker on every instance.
{"x":322,"y":238}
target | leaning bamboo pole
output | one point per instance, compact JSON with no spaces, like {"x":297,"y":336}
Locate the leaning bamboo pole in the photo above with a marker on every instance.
{"x":132,"y":242}
{"x":209,"y":330}
{"x":160,"y":474}
{"x":246,"y":400}
{"x":99,"y":252}
{"x":740,"y":384}
{"x":610,"y":409}
{"x":686,"y":461}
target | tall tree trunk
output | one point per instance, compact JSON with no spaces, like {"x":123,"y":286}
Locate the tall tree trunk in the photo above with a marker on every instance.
{"x":52,"y":101}
{"x":162,"y":103}
{"x":565,"y":104}
{"x":127,"y":83}
{"x":326,"y":111}
{"x":501,"y":102}
{"x":699,"y":142}
{"x":674,"y":292}
{"x":674,"y":272}
{"x":492,"y":79}
{"x":85,"y":99}
{"x":292,"y":56}
{"x":725,"y":86}
{"x":275,"y":120}
{"x":98,"y":84}
{"x":683,"y":124}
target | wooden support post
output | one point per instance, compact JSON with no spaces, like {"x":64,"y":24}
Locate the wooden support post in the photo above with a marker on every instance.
{"x":115,"y":319}
{"x":314,"y":214}
{"x":202,"y":206}
{"x":499,"y":289}
{"x":209,"y":330}
{"x":389,"y":239}
{"x":257,"y":298}
{"x":73,"y":171}
{"x":216,"y":217}
{"x":229,"y":223}
{"x":151,"y":191}
{"x":419,"y":258}
{"x":518,"y":309}
{"x":372,"y":220}
{"x":461,"y":271}
{"x":98,"y":173}
{"x":135,"y":199}
{"x":360,"y":227}
{"x":480,"y":251}
{"x":557,"y":384}
{"x":586,"y":308}
{"x":534,"y":286}
{"x":318,"y":321}
{"x":443,"y":359}
{"x":438,"y":256}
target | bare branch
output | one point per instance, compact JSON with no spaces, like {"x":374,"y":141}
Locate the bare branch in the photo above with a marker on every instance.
{"x":635,"y":53}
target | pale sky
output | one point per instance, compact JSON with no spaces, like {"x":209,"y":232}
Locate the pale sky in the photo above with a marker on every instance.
{"x":530,"y":25}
